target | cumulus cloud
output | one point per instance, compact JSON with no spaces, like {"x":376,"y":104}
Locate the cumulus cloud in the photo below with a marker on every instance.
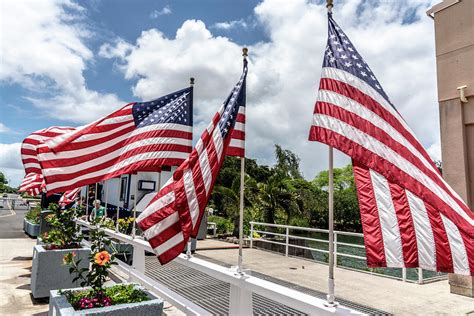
{"x":395,"y":38}
{"x":10,"y":163}
{"x":435,"y":151}
{"x":230,"y":25}
{"x":165,"y":11}
{"x":47,"y":54}
{"x":4,"y":129}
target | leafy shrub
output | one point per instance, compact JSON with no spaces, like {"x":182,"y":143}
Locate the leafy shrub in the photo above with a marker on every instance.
{"x":117,"y":294}
{"x":64,"y":233}
{"x":33,"y":215}
{"x":126,"y":225}
{"x":224,"y":225}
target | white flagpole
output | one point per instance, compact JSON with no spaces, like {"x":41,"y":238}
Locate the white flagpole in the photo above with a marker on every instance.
{"x":189,"y":246}
{"x":134,"y":229}
{"x":87,"y":203}
{"x":242,"y":188}
{"x":330,"y":297}
{"x":106,"y":196}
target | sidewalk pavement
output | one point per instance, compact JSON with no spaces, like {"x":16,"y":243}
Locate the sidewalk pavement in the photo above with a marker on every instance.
{"x":15,"y":272}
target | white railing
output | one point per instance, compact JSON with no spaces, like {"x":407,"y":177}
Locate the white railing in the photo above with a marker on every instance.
{"x":284,"y":240}
{"x":242,"y":285}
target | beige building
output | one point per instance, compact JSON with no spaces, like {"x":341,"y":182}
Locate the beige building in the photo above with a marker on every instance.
{"x":454,"y":36}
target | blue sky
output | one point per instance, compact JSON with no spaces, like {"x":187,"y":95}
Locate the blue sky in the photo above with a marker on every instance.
{"x":67,"y":63}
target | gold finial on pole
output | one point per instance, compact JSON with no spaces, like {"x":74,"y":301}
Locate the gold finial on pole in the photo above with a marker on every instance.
{"x":245,"y":51}
{"x":329,"y":5}
{"x":191,"y":81}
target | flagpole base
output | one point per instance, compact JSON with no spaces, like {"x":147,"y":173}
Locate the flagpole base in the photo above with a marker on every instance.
{"x":330,"y":298}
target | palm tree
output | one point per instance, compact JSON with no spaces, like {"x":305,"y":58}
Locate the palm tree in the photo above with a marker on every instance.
{"x":230,"y":197}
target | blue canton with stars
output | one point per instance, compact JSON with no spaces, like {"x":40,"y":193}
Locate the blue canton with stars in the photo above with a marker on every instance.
{"x":176,"y":108}
{"x":341,"y":54}
{"x":236,"y":99}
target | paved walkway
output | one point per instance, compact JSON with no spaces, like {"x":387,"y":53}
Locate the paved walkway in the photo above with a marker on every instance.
{"x":382,"y":293}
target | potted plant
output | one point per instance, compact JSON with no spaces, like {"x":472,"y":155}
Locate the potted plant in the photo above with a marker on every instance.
{"x":48,"y":272}
{"x":31,"y":222}
{"x":94,"y":298}
{"x":124,"y":251}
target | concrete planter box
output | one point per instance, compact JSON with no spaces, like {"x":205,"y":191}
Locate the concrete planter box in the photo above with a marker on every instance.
{"x":33,"y":230}
{"x":49,"y":273}
{"x":58,"y":305}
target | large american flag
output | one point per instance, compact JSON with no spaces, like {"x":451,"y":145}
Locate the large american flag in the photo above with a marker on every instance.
{"x":139,"y":136}
{"x":33,"y":184}
{"x":175,"y":213}
{"x":410,"y":216}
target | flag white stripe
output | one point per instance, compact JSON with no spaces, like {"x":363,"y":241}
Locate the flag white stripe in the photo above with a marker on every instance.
{"x":32,"y":165}
{"x":423,"y":231}
{"x":388,"y":221}
{"x":237,"y":143}
{"x":458,"y":249}
{"x":242,"y":110}
{"x":163,"y":201}
{"x":122,"y":164}
{"x":170,"y":243}
{"x":360,"y":110}
{"x":218,"y":143}
{"x":116,"y":119}
{"x":388,"y":154}
{"x":191,"y":195}
{"x":159,"y":227}
{"x":239,"y":126}
{"x":205,"y":169}
{"x":28,"y":146}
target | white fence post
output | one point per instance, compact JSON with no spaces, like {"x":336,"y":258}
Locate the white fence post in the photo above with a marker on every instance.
{"x":335,"y":249}
{"x":420,"y":276}
{"x":138,"y":259}
{"x":251,"y":235}
{"x":404,"y":274}
{"x":240,"y":300}
{"x":287,"y":240}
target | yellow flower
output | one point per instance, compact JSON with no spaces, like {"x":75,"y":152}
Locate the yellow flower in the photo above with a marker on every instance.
{"x":101,"y":258}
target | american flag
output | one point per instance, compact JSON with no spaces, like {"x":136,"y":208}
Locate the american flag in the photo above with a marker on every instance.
{"x":69,"y":197}
{"x":410,"y":216}
{"x":28,"y":147}
{"x":32,"y":184}
{"x":139,"y":136}
{"x":175,"y":213}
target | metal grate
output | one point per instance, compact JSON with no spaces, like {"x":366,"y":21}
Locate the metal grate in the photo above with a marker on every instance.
{"x":213,"y":294}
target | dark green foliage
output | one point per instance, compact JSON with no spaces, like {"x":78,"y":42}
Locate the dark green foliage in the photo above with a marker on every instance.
{"x":281,"y":195}
{"x":33,"y":215}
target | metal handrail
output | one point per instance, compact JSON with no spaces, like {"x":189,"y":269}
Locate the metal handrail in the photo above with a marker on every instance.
{"x":242,"y":284}
{"x":285,"y":242}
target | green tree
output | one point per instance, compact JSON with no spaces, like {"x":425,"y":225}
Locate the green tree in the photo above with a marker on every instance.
{"x":346,"y":206}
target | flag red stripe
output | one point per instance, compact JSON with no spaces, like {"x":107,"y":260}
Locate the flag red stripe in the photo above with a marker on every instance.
{"x":240,"y":118}
{"x":373,"y":240}
{"x":387,"y":169}
{"x":405,"y":224}
{"x":444,"y":259}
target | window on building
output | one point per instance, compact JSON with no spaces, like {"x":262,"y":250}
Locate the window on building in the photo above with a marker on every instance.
{"x":123,"y":188}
